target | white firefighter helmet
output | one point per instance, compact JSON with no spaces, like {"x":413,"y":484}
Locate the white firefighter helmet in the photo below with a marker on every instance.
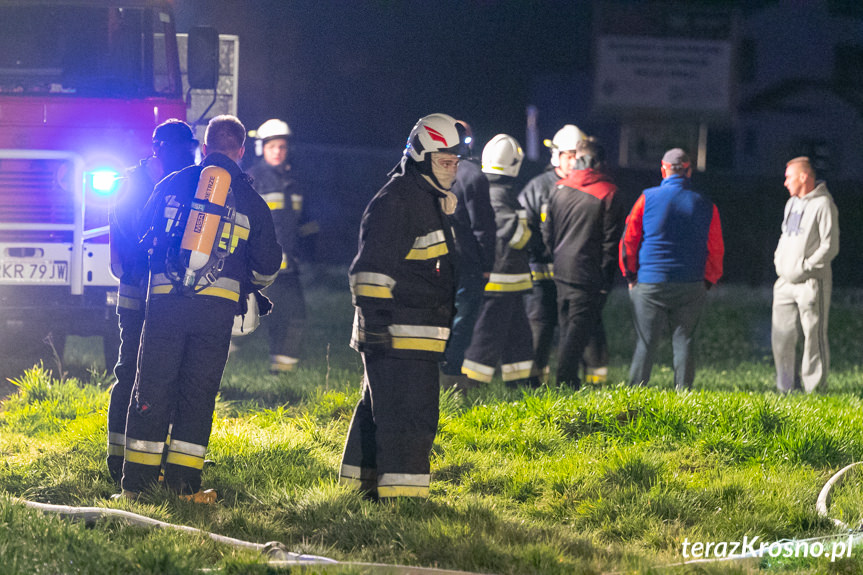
{"x":502,"y":156}
{"x":436,"y":133}
{"x":564,"y":140}
{"x":267,"y":131}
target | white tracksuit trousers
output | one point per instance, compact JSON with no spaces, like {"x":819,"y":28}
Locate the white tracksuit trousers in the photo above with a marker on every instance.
{"x":801,"y":308}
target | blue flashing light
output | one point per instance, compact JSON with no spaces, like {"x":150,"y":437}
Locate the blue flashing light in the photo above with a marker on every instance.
{"x":105,"y":181}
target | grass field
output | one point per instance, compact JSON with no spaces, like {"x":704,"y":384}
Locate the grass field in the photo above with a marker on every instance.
{"x":603,"y":480}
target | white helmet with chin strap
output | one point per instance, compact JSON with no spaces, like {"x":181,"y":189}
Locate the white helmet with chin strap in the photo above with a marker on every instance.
{"x":267,"y":131}
{"x":502,"y":156}
{"x":436,"y":133}
{"x":564,"y":140}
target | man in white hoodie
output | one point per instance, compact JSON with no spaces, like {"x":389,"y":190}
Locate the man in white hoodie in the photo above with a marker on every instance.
{"x":801,"y":295}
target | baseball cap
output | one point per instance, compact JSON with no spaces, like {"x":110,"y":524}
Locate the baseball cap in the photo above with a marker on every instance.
{"x":675,"y":157}
{"x":174,"y":131}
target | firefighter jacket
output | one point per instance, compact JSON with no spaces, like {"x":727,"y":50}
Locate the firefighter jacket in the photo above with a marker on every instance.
{"x":511,"y":273}
{"x":247,"y":237}
{"x":285,"y":199}
{"x":473,"y":221}
{"x":534,"y":198}
{"x":402,"y":279}
{"x":582,"y":227}
{"x":128,"y":260}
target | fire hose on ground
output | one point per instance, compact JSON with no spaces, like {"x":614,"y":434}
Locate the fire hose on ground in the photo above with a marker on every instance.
{"x":274,"y":551}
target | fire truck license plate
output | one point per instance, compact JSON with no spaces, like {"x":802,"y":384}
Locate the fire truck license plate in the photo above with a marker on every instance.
{"x":34,"y":271}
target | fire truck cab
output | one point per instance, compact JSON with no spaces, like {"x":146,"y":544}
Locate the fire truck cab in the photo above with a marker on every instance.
{"x":82,"y":86}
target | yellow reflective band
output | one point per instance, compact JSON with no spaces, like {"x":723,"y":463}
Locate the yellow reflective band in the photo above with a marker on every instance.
{"x":522,"y":235}
{"x":402,"y":491}
{"x":403,"y":485}
{"x":351,"y":471}
{"x":192,"y":461}
{"x":508,"y":282}
{"x":595,"y":379}
{"x":514,"y":371}
{"x":296,"y":202}
{"x":114,"y":449}
{"x":128,"y":302}
{"x":151,"y":459}
{"x":351,"y":482}
{"x":419,"y":344}
{"x":477,"y":371}
{"x":380,"y":292}
{"x":279,"y":205}
{"x":220,"y":292}
{"x":163,"y":289}
{"x":427,"y":253}
{"x":542,"y":276}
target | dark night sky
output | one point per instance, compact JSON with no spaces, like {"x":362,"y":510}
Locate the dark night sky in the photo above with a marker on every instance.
{"x":360,"y":73}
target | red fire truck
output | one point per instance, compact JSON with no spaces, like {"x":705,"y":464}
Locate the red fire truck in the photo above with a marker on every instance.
{"x":82,"y":85}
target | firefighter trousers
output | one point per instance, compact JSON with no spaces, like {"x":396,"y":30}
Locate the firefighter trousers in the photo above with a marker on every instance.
{"x":131,"y":322}
{"x":393,"y":428}
{"x":184,"y":348}
{"x":502,"y":333}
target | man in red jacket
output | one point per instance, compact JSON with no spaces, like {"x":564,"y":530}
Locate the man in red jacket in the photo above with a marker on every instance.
{"x":671,"y":254}
{"x":582,"y":227}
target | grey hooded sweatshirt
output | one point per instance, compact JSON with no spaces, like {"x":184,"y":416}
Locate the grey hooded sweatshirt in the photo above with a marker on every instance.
{"x":810,"y":237}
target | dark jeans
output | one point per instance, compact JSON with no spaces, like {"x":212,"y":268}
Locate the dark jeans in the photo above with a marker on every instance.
{"x":468,"y":300}
{"x":655,"y":306}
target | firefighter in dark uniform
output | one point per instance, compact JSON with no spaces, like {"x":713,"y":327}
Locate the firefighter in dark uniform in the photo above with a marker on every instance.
{"x":188,"y":323}
{"x":274,"y":180}
{"x":541,"y":303}
{"x":173,"y":148}
{"x":502,"y":332}
{"x":402,"y":282}
{"x":474,"y":231}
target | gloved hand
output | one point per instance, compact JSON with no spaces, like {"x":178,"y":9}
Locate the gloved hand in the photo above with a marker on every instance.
{"x":265,"y":305}
{"x":375,"y":339}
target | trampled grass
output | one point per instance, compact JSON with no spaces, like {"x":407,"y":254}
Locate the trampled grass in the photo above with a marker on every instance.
{"x":611,"y":479}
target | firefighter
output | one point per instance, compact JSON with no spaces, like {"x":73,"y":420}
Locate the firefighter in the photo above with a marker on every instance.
{"x":474,"y":232}
{"x":274,"y":181}
{"x":541,"y":303}
{"x":502,"y":332}
{"x":190,"y":311}
{"x":402,"y":282}
{"x":174,"y":147}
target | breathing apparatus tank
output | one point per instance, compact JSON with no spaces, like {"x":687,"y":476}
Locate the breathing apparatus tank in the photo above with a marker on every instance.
{"x":204,"y":220}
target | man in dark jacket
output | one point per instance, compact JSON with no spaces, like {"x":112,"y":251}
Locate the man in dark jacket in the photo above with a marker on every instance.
{"x":190,"y":311}
{"x":274,"y":180}
{"x":582,"y":228}
{"x":671,"y":254}
{"x":403,"y":285}
{"x":474,"y":229}
{"x":541,"y":302}
{"x":173,"y":148}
